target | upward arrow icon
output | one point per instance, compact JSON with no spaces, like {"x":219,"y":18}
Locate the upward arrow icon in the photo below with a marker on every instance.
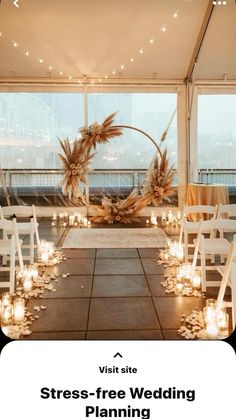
{"x":118,"y":354}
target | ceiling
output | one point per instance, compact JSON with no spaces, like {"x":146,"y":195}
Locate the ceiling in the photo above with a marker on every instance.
{"x":96,"y":37}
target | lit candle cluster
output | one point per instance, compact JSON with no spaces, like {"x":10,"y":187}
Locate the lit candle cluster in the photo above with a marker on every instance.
{"x":174,"y":253}
{"x":171,"y":219}
{"x":26,"y":277}
{"x":12,"y":310}
{"x":46,"y":252}
{"x":188,"y":279}
{"x":71,"y":220}
{"x":216,"y":320}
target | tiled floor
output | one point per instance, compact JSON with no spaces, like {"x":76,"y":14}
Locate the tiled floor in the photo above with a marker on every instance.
{"x":110,"y":294}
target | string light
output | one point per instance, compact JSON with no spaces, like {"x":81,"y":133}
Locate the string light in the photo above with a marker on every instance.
{"x":163,"y":29}
{"x":175,"y":14}
{"x":151,"y":41}
{"x":15,"y":44}
{"x":141,"y":50}
{"x":132,"y":60}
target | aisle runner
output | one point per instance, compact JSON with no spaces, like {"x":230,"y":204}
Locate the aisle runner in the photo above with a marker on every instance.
{"x":115,"y":238}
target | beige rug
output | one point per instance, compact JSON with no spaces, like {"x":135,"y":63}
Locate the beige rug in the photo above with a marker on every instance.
{"x":115,"y":238}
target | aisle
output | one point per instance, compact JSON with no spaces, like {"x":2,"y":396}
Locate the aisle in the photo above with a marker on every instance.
{"x":110,"y":294}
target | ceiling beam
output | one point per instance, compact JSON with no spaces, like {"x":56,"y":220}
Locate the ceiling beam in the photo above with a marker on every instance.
{"x":200,"y":40}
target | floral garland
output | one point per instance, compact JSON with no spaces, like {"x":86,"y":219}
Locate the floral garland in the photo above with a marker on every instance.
{"x":157,"y":185}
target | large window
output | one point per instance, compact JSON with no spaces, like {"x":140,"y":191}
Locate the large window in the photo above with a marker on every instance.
{"x":150,"y":112}
{"x":30,"y":124}
{"x":217,"y":138}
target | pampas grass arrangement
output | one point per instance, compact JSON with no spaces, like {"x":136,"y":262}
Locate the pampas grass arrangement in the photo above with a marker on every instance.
{"x":75,"y":161}
{"x":100,"y":134}
{"x":75,"y":158}
{"x":158,"y":183}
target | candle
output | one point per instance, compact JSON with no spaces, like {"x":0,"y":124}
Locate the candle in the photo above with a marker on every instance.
{"x":179,"y":286}
{"x":222,"y":320}
{"x":71,"y":220}
{"x":6,"y":299}
{"x":54,"y":219}
{"x":85,"y":222}
{"x":28,"y":283}
{"x":44,"y":256}
{"x":163,"y":217}
{"x":154,"y":220}
{"x":196,"y":281}
{"x":7,"y":315}
{"x":212,"y":330}
{"x":19,"y":310}
{"x":170,"y":217}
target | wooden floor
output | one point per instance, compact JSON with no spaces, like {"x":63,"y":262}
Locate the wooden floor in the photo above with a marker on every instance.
{"x":110,"y":294}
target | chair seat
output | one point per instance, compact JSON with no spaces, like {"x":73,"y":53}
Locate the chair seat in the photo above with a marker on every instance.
{"x":216,"y":246}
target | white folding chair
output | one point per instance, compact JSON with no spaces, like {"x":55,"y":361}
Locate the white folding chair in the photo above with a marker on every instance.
{"x":213,"y":246}
{"x":191,"y":227}
{"x":9,"y":247}
{"x":228,"y":273}
{"x":226,"y":211}
{"x":24,"y":228}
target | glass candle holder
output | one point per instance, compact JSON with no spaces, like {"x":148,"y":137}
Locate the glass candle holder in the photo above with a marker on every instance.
{"x":28,"y":283}
{"x":209,"y":312}
{"x":19,"y":310}
{"x":6,"y":299}
{"x":212,"y":330}
{"x":196,"y":281}
{"x":222,"y":320}
{"x":7,"y":315}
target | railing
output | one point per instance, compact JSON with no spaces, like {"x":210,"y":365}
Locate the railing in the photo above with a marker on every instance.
{"x":225,"y":176}
{"x":49,"y":180}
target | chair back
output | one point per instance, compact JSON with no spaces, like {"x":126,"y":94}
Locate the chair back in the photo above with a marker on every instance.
{"x":226,"y":211}
{"x":23,"y":211}
{"x":200,"y":209}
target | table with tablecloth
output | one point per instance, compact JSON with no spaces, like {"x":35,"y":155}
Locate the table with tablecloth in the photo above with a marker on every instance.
{"x":207,"y":194}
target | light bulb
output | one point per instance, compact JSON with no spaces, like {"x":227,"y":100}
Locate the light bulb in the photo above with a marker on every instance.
{"x":214,"y":2}
{"x":141,"y":51}
{"x":224,"y":3}
{"x":219,"y":2}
